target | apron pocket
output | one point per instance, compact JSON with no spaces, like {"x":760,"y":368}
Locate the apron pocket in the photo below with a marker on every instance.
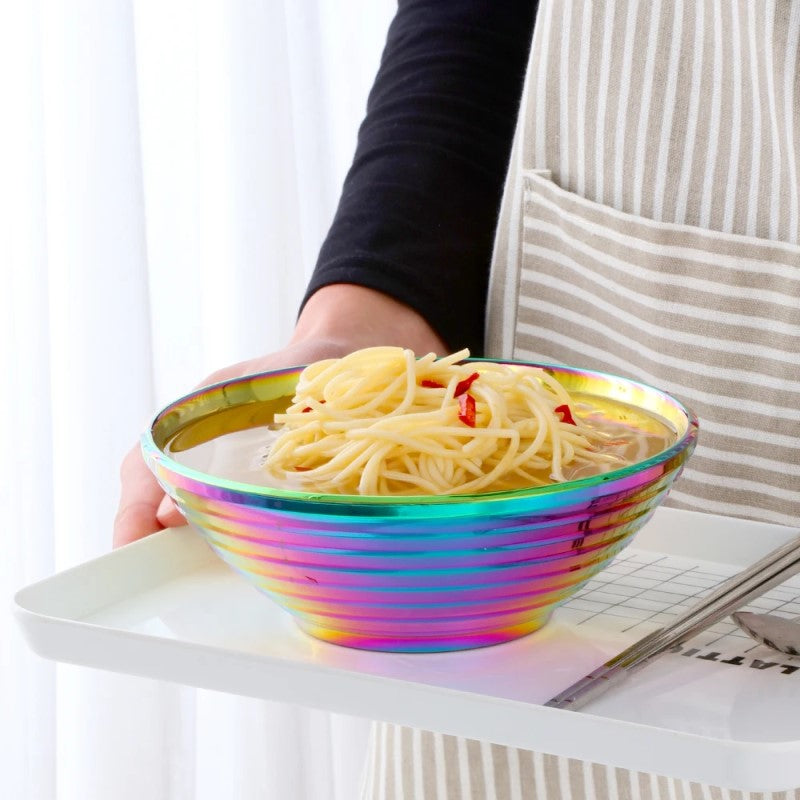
{"x":713,"y":318}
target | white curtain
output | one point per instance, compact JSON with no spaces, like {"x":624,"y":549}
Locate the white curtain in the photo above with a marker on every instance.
{"x":168,"y":169}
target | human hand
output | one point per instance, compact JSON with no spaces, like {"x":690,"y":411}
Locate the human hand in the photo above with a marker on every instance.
{"x":336,"y":320}
{"x":143,"y":506}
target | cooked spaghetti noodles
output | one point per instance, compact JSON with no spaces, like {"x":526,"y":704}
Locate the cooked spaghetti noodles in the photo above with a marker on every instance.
{"x":382,"y":422}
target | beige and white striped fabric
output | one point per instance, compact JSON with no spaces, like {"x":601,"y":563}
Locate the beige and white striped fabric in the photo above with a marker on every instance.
{"x":650,"y":228}
{"x":413,"y":764}
{"x":713,"y":318}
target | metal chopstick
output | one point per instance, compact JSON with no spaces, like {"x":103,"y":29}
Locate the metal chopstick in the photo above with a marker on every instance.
{"x":774,"y":568}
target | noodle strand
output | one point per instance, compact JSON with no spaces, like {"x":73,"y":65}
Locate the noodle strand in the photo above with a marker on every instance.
{"x":380,"y":420}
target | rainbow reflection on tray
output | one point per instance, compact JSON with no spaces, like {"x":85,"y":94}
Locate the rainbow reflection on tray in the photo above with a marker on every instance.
{"x":417,"y":574}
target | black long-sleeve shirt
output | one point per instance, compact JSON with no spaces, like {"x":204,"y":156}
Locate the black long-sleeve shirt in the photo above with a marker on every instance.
{"x":418,"y":209}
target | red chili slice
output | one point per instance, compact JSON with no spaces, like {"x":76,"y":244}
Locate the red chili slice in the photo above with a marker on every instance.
{"x":565,"y":414}
{"x":463,"y":386}
{"x":466,"y":409}
{"x":431,"y":384}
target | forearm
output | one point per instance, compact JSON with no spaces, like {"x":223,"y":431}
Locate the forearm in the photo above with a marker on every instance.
{"x":347,"y":316}
{"x":419,"y":206}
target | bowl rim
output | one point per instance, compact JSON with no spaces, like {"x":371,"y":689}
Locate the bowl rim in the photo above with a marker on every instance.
{"x":157,"y":458}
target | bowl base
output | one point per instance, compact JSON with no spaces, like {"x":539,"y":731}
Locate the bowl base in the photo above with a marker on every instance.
{"x":389,"y":643}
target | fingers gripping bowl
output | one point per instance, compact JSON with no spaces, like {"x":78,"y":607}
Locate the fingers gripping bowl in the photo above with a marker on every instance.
{"x":418,"y":573}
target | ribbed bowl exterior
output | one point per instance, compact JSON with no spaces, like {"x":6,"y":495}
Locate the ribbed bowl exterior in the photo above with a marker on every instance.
{"x":420,"y":575}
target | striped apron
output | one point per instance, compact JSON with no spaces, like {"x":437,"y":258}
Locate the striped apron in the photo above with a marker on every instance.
{"x":649,"y":228}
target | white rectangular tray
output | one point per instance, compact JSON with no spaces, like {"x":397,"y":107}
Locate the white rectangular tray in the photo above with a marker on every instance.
{"x":723,"y":710}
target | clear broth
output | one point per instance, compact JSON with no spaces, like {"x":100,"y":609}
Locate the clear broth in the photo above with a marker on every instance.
{"x":233,"y":444}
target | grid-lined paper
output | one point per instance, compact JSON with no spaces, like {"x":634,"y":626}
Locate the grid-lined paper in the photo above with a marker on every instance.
{"x":642,"y":591}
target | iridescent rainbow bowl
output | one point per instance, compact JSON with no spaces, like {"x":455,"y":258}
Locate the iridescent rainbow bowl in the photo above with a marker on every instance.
{"x":419,"y":574}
